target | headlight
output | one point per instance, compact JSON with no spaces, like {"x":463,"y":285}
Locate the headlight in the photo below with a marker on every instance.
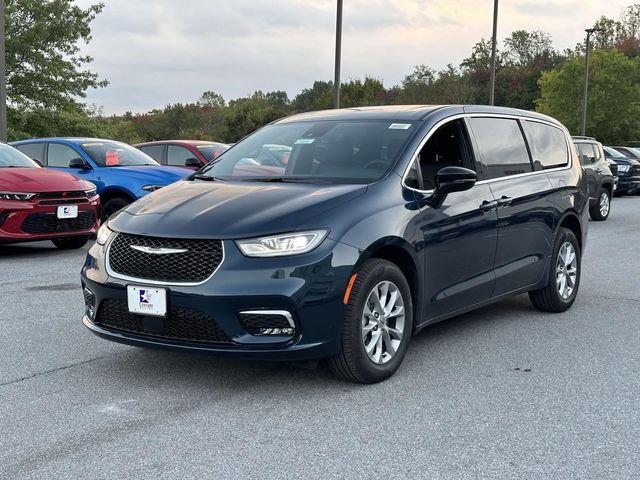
{"x":624,"y":168}
{"x":279,"y":245}
{"x":90,"y":193}
{"x":16,"y":196}
{"x":152,"y":188}
{"x":103,"y":234}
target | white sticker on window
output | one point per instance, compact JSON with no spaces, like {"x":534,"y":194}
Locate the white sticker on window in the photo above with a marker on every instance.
{"x":400,"y":126}
{"x":304,"y":141}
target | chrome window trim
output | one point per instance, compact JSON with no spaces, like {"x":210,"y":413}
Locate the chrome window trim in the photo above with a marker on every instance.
{"x":458,"y":116}
{"x":283,"y":313}
{"x":127,"y":278}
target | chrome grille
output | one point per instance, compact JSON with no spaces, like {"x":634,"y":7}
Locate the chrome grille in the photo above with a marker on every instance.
{"x":193,"y":262}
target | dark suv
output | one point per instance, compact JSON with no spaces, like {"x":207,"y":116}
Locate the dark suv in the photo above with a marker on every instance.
{"x":383,"y":221}
{"x":628,"y":160}
{"x":599,"y":177}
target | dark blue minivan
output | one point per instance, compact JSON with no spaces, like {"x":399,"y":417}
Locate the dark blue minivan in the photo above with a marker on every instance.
{"x":383,"y":220}
{"x":120,"y":172}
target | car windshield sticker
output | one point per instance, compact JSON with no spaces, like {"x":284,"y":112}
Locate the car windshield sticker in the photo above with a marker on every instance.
{"x":111,"y":158}
{"x":304,"y":141}
{"x":400,"y":126}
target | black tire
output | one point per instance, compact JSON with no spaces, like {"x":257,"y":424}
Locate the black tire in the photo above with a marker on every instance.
{"x":71,"y":243}
{"x":548,"y":299}
{"x":112,"y":206}
{"x":595,"y":212}
{"x":352,"y":362}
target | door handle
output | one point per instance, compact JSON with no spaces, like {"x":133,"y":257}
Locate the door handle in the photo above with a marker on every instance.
{"x":504,"y":201}
{"x":486,"y":206}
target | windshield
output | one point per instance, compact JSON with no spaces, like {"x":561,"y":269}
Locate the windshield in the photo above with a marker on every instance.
{"x":116,"y":154}
{"x":328,"y":152}
{"x":10,"y":158}
{"x":613,"y":153}
{"x":634,"y":151}
{"x":211,"y":152}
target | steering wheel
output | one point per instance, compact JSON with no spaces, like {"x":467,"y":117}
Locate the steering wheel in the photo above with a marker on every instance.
{"x":376,"y":162}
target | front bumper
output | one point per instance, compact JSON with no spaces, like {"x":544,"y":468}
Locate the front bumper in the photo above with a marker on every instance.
{"x":628,"y":183}
{"x":14,"y":213}
{"x":310,"y":287}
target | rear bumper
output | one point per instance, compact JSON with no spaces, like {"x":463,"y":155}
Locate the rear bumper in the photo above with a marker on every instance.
{"x":310,"y":287}
{"x":14,"y":214}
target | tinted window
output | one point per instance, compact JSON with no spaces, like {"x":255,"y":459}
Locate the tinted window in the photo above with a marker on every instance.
{"x":327,"y":151}
{"x":448,"y":146}
{"x":33,"y":150}
{"x":501,"y":146}
{"x":586,"y":152}
{"x":115,"y":154}
{"x":548,"y":145}
{"x":154,"y":151}
{"x":613,"y":153}
{"x":177,"y":156}
{"x":59,"y":155}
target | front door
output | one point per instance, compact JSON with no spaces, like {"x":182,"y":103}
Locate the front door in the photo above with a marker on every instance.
{"x":460,"y":234}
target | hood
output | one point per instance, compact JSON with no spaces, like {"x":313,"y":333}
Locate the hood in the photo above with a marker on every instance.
{"x":230,"y":209}
{"x":38,"y":180}
{"x":152,"y":173}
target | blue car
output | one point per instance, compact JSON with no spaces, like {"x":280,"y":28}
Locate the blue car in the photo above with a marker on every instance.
{"x":121,"y":173}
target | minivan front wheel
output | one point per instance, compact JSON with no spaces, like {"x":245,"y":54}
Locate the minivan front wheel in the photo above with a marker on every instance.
{"x":378,"y":324}
{"x":564,"y":275}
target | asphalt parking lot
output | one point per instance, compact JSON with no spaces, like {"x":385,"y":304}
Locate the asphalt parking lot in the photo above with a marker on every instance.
{"x":504,"y":392}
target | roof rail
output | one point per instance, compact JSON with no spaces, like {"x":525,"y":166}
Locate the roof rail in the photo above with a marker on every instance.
{"x":581,"y":137}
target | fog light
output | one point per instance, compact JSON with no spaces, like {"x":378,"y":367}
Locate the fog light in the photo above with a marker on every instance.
{"x":277,"y":331}
{"x":268,"y":323}
{"x":90,"y":302}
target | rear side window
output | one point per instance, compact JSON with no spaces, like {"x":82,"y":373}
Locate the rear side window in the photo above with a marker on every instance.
{"x":501,"y":147}
{"x":34,"y":151}
{"x":548,"y":145}
{"x":58,"y":155}
{"x":587,"y":153}
{"x":154,"y":151}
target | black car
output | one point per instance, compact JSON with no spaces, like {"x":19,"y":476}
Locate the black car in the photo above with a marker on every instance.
{"x":628,"y":160}
{"x":385,"y":220}
{"x":599,"y":176}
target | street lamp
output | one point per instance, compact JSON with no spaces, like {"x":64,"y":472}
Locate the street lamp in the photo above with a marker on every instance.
{"x":3,"y":79}
{"x":494,"y":46}
{"x":336,"y":81}
{"x":585,"y":94}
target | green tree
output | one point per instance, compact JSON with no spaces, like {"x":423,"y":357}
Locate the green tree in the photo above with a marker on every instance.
{"x":44,"y":66}
{"x":614,"y":96}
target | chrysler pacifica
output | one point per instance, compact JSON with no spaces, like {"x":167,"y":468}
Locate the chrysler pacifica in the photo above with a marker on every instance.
{"x":383,"y":220}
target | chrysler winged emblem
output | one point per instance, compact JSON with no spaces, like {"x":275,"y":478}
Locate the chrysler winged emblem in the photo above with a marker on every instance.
{"x":158,"y":250}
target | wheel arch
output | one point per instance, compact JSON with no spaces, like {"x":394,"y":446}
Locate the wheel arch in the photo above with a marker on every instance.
{"x":571,"y":221}
{"x":115,"y":192}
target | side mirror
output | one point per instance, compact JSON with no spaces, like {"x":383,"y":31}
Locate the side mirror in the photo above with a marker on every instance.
{"x":79,"y":163}
{"x":192,"y":162}
{"x":454,"y":179}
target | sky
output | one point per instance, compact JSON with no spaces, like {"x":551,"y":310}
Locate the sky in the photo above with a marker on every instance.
{"x":155,"y":52}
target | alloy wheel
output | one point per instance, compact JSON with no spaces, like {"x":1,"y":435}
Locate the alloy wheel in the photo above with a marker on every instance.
{"x":605,"y":204}
{"x":566,"y":270}
{"x":383,"y":322}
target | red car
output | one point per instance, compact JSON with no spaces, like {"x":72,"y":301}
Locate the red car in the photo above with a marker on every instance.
{"x":41,"y":204}
{"x":192,"y":154}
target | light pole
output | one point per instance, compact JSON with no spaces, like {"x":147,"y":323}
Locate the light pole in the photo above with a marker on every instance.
{"x":3,"y":79}
{"x":336,"y":81}
{"x":585,"y":94}
{"x":494,"y":46}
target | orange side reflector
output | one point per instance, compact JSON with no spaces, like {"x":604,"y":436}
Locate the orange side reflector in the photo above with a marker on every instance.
{"x":345,"y":300}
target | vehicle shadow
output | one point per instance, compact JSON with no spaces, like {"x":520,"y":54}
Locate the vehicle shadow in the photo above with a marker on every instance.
{"x":149,"y":367}
{"x":36,"y":249}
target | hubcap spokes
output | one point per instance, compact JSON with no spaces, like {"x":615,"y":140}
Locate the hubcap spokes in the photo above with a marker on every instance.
{"x":383,"y":322}
{"x":604,"y":204}
{"x":566,"y":270}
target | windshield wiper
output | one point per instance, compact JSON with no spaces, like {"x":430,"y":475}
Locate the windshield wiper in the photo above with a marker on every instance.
{"x":206,"y":178}
{"x":285,"y":180}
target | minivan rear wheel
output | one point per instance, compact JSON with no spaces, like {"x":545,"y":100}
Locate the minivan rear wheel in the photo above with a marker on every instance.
{"x":378,"y":324}
{"x":564,"y":275}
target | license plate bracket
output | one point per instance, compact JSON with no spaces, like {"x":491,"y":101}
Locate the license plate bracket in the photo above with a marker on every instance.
{"x":144,"y":300}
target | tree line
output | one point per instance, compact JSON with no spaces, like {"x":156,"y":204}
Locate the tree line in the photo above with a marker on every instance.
{"x":47,"y":80}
